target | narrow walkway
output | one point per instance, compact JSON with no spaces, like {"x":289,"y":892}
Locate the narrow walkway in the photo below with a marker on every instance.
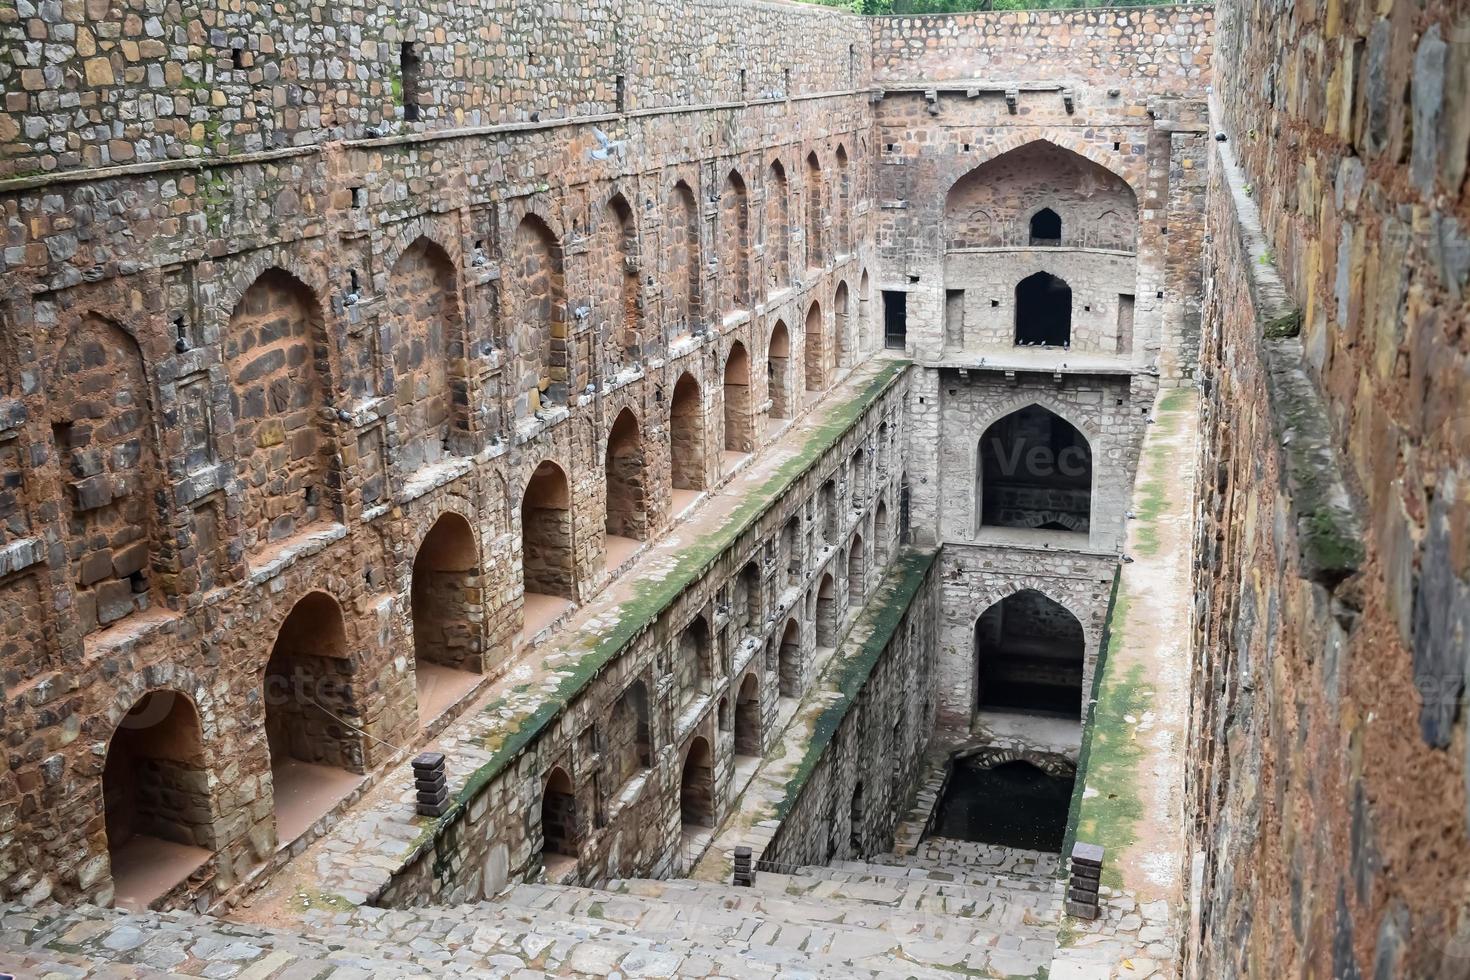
{"x":380,"y":833}
{"x":1133,"y":760}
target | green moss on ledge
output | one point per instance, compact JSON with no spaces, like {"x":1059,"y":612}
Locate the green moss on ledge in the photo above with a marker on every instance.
{"x":601,"y":646}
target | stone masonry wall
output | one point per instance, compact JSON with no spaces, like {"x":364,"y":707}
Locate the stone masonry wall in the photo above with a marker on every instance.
{"x":314,"y":305}
{"x":1329,"y":797}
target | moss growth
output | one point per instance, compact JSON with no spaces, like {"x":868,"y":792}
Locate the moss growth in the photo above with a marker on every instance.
{"x":879,"y":622}
{"x":1111,"y":754}
{"x":1286,"y":325}
{"x":651,"y":597}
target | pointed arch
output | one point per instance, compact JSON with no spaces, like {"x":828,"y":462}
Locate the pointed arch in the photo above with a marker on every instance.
{"x":101,"y":412}
{"x":445,"y":604}
{"x":624,"y":467}
{"x":547,"y":555}
{"x":158,"y":803}
{"x":829,"y":612}
{"x":816,"y":254}
{"x":275,"y":350}
{"x":423,"y":303}
{"x":778,"y":225}
{"x":686,"y":435}
{"x":739,"y":434}
{"x":842,"y":325}
{"x":619,"y":296}
{"x":748,"y":717}
{"x":559,"y":834}
{"x":857,"y":568}
{"x":1029,"y":654}
{"x":778,"y":371}
{"x":682,"y":264}
{"x":844,"y":218}
{"x":816,"y":348}
{"x":1034,"y":469}
{"x":697,"y":785}
{"x":735,"y":243}
{"x":540,"y":372}
{"x":788,"y":661}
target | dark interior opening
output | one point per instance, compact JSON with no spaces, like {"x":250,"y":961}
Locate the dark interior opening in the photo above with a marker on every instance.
{"x":1035,"y":472}
{"x":1029,"y":653}
{"x":895,"y":319}
{"x":1043,"y":311}
{"x":1011,"y":805}
{"x":1046,"y":227}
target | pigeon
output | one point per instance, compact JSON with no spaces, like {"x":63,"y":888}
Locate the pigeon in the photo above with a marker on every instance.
{"x":607,"y":146}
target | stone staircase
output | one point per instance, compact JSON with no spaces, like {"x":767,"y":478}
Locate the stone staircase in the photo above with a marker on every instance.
{"x":910,"y":918}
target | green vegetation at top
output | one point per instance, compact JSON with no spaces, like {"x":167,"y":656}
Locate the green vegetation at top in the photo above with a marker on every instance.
{"x":884,"y":7}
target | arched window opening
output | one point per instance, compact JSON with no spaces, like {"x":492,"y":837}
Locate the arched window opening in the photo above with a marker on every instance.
{"x":857,"y":571}
{"x":423,"y":298}
{"x":1043,"y":311}
{"x":735,"y":244}
{"x":865,"y":313}
{"x":816,"y":349}
{"x":103,"y":429}
{"x":626,"y":521}
{"x":276,"y":350}
{"x":559,"y":836}
{"x":791,"y":551}
{"x":829,"y":612}
{"x":686,"y":442}
{"x":682,"y":262}
{"x":831,"y":519}
{"x":445,"y":603}
{"x":739,"y":438}
{"x":844,"y":216}
{"x":538,"y":335}
{"x":692,"y":669}
{"x":747,"y":605}
{"x":619,"y":300}
{"x":697,"y":786}
{"x":855,"y":822}
{"x":788,"y":662}
{"x":1029,"y":652}
{"x":816,"y":253}
{"x":748,"y":718}
{"x":880,"y":534}
{"x":778,"y":224}
{"x":722,"y":715}
{"x":158,"y":807}
{"x":1035,"y":472}
{"x":778,"y":372}
{"x":1046,"y":227}
{"x":629,"y":735}
{"x":312,"y":722}
{"x":547,"y":558}
{"x":842,"y":326}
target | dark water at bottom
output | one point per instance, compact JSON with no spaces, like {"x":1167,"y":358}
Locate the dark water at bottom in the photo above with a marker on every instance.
{"x":1014,"y":805}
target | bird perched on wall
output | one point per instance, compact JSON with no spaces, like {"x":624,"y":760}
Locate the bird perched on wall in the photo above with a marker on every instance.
{"x":607,"y":148}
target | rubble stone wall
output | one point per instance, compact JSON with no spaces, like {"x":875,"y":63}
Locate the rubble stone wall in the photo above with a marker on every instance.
{"x":1328,"y":773}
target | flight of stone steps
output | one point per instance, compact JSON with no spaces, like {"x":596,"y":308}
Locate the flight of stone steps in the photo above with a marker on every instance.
{"x":870,"y":920}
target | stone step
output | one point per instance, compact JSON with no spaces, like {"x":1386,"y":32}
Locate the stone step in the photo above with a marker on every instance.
{"x":946,"y":852}
{"x":921,"y":885}
{"x":1011,"y":933}
{"x":901,"y":868}
{"x":535,"y":917}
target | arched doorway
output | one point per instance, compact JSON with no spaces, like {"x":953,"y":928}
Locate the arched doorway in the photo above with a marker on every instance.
{"x":619,"y":295}
{"x":855,"y":822}
{"x":844,"y":215}
{"x":881,"y":540}
{"x":778,"y":372}
{"x":630,"y":734}
{"x":626,"y":522}
{"x":790,"y":546}
{"x":1029,"y":655}
{"x":313,"y":724}
{"x":829,"y":612}
{"x":538,"y":369}
{"x":692,"y":665}
{"x":1043,"y":311}
{"x":778,"y":224}
{"x":158,"y":806}
{"x":1035,"y":472}
{"x":697,"y":786}
{"x":686,"y":442}
{"x":816,"y":349}
{"x":748,"y":718}
{"x":559,"y":838}
{"x":842,"y":325}
{"x":746,"y":606}
{"x":735,"y":244}
{"x":739,"y":439}
{"x":788,"y":661}
{"x":423,"y":302}
{"x":815,"y":246}
{"x":547,"y":565}
{"x":445,"y":603}
{"x":857,"y":569}
{"x":830,"y":518}
{"x":683,"y":271}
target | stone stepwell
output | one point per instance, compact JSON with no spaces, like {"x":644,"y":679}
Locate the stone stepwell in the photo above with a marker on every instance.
{"x":975,"y":911}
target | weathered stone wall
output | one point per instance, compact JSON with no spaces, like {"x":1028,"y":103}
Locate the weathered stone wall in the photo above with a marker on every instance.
{"x":1328,"y":789}
{"x":339,"y":336}
{"x":851,"y":798}
{"x":100,"y":85}
{"x":699,"y":660}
